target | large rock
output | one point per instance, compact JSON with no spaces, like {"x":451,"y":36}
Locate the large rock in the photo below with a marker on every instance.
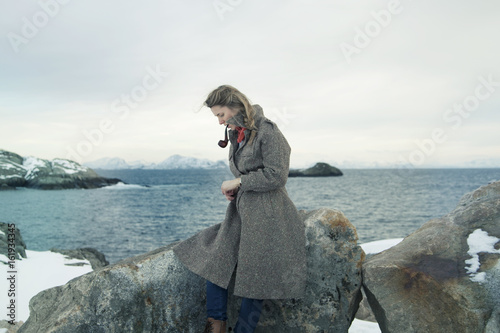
{"x":94,"y":257}
{"x":32,"y":172}
{"x":10,"y":238}
{"x":444,"y":277}
{"x":9,"y":327}
{"x":154,"y":292}
{"x":318,"y":170}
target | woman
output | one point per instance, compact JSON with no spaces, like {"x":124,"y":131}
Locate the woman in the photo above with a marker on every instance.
{"x":261,"y":242}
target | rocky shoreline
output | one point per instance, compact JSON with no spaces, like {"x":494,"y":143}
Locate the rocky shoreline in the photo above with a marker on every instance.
{"x":54,"y":267}
{"x":154,"y":292}
{"x":58,"y":174}
{"x":93,"y":256}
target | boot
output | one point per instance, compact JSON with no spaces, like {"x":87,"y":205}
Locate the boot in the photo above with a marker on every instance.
{"x":215,"y":326}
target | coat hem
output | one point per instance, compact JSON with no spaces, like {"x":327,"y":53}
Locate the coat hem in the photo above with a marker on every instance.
{"x":201,"y":274}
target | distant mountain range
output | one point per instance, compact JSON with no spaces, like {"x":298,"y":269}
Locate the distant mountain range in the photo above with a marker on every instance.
{"x":184,"y":162}
{"x":173,"y":162}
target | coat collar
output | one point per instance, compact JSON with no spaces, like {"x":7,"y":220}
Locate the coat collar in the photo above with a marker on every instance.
{"x":238,"y":119}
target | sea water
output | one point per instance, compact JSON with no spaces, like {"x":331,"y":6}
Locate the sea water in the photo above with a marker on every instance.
{"x":158,"y":207}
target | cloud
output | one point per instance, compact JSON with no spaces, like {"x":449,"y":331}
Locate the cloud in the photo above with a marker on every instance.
{"x":285,"y":55}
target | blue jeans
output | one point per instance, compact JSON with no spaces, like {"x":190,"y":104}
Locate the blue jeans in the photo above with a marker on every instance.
{"x":217,"y":307}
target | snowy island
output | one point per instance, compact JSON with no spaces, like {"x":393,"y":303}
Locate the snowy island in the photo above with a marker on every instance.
{"x":33,"y":172}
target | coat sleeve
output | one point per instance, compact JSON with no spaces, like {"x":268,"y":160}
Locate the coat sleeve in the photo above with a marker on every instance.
{"x":275,"y":159}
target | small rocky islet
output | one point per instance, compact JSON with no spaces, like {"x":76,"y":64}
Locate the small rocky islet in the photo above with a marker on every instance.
{"x":320,"y":169}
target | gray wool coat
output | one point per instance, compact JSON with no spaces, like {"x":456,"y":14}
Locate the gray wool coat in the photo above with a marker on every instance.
{"x":261,"y":241}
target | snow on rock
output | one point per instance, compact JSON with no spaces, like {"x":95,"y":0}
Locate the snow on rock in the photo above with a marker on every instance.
{"x":363,"y":326}
{"x":11,"y":168}
{"x":10,"y":176}
{"x":479,"y":241}
{"x":33,"y":165}
{"x":11,"y":165}
{"x":68,"y":166}
{"x":380,"y":245}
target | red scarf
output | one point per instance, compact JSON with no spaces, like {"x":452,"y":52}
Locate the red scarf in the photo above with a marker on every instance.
{"x":241,"y":133}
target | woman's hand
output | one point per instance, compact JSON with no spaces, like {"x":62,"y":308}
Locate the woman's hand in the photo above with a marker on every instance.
{"x":230,"y":188}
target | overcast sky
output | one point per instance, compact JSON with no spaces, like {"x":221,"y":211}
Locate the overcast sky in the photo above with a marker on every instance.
{"x":351,"y":83}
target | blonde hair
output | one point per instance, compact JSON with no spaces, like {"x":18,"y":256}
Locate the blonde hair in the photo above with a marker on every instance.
{"x":231,"y":97}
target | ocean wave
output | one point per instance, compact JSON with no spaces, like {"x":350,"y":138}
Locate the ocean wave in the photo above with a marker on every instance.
{"x":123,"y":186}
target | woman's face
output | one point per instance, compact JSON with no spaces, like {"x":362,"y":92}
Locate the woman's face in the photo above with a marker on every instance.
{"x":223,"y":113}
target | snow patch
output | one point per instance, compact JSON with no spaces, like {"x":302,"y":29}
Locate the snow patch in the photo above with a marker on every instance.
{"x":363,"y":326}
{"x":14,"y":168}
{"x":11,"y":165}
{"x":68,"y":166}
{"x":10,"y":176}
{"x":122,"y":186}
{"x":31,"y":164}
{"x":37,"y":272}
{"x":479,"y":241}
{"x":380,"y":245}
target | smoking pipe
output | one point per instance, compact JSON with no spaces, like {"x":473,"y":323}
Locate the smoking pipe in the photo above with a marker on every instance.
{"x":223,"y":143}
